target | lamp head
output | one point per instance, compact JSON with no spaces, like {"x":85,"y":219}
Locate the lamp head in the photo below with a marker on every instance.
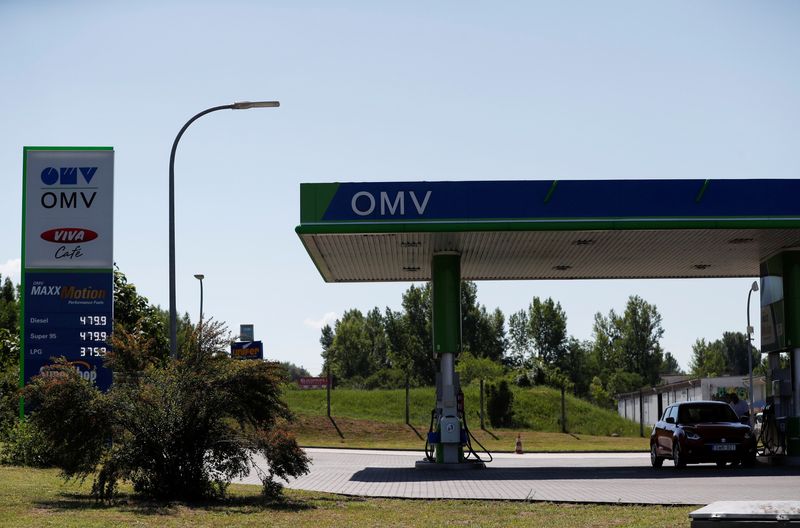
{"x":754,"y":287}
{"x":244,"y":105}
{"x":199,"y":276}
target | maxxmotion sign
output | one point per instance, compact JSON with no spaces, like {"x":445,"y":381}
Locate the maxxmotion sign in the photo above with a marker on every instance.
{"x":69,"y":208}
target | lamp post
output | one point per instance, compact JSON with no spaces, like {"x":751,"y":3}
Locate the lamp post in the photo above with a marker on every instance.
{"x":753,"y":288}
{"x":200,"y":277}
{"x":173,"y":313}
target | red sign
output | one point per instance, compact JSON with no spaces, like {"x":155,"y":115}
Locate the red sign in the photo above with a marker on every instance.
{"x":68,"y":235}
{"x":313,"y":383}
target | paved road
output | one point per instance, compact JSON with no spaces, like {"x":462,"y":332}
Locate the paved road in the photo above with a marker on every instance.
{"x":594,"y":477}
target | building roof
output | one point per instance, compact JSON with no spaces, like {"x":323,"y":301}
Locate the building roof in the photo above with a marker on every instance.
{"x":689,"y":382}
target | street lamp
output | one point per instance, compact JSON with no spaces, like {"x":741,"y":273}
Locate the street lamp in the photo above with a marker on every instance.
{"x":753,"y":288}
{"x":200,"y":277}
{"x":173,"y":313}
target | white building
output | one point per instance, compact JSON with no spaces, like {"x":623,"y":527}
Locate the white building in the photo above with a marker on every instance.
{"x":653,"y":400}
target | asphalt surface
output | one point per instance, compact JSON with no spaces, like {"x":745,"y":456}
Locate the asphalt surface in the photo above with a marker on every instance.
{"x":574,"y":477}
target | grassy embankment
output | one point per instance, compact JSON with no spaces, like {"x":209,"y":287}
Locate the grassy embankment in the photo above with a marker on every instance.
{"x":36,"y":497}
{"x":376,"y":419}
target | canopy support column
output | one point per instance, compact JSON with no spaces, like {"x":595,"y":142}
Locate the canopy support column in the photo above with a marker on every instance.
{"x":447,"y":345}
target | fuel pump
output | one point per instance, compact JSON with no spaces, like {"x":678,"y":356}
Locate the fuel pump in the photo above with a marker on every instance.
{"x":448,"y":433}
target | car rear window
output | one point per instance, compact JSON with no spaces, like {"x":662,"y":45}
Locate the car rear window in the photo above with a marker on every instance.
{"x":702,"y":413}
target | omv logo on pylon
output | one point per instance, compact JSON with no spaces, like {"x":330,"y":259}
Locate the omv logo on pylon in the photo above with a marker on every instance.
{"x":67,"y":175}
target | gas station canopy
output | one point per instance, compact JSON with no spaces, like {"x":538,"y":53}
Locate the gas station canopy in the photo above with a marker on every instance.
{"x":571,"y":229}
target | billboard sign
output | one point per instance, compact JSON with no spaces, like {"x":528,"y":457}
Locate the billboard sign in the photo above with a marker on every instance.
{"x":67,"y":260}
{"x":69,"y":198}
{"x":247,"y":332}
{"x":247,"y":350}
{"x":312,"y":382}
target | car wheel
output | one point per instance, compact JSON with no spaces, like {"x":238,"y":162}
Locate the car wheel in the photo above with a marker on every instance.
{"x":655,"y":460}
{"x":677,"y":456}
{"x":749,"y":461}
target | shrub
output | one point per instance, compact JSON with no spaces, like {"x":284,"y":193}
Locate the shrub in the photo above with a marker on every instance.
{"x":471,"y":368}
{"x":9,"y":379}
{"x":176,"y":429}
{"x":26,"y":445}
{"x":386,"y":379}
{"x":498,"y":405}
{"x":522,"y":380}
{"x":353,"y":382}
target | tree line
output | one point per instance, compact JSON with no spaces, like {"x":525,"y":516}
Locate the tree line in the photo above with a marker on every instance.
{"x":132,"y":311}
{"x":389,"y":349}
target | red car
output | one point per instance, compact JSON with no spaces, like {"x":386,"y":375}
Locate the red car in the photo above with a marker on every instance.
{"x":701,"y":431}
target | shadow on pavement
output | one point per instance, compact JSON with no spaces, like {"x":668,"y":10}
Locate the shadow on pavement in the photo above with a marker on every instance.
{"x":567,"y":473}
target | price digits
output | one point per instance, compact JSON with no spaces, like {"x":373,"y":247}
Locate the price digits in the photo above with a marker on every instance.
{"x":93,"y":320}
{"x":93,"y":351}
{"x":93,"y":336}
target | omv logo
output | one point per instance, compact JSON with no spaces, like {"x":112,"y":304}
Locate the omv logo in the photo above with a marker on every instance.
{"x":67,"y":175}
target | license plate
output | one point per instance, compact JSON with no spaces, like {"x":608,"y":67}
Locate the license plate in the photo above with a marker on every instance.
{"x":723,"y":447}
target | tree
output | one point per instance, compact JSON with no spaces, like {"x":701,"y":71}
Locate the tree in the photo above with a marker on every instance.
{"x":575,"y":365}
{"x":9,"y":354}
{"x":548,"y":330}
{"x":326,"y":340}
{"x":670,"y":365}
{"x":520,"y":347}
{"x":9,"y":306}
{"x":499,"y":404}
{"x":620,"y":382}
{"x":176,"y":429}
{"x":379,"y":345}
{"x":417,"y":323}
{"x":736,"y":348}
{"x":641,"y":332}
{"x":405,"y":349}
{"x":708,"y":359}
{"x":470,"y":368}
{"x":483,"y":335}
{"x":352,"y":346}
{"x":293,"y":372}
{"x":598,"y":393}
{"x":135,"y":314}
{"x":630,"y":342}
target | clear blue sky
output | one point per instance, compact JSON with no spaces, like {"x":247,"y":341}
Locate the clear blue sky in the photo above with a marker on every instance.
{"x":408,"y":91}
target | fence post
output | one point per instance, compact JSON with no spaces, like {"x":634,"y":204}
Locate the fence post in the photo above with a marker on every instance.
{"x":328,"y":391}
{"x":408,"y":422}
{"x":641,"y":413}
{"x":482,"y":424}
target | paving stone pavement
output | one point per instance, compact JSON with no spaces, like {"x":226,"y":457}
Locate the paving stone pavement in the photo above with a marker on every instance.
{"x":572,"y":477}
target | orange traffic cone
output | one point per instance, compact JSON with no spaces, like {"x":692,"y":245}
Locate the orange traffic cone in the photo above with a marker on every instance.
{"x":518,"y":448}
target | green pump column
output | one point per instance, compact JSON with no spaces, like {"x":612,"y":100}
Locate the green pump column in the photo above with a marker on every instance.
{"x":783,"y":325}
{"x":791,"y":298}
{"x":446,"y":274}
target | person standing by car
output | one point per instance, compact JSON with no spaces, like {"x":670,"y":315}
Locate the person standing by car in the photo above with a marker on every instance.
{"x":740,"y":407}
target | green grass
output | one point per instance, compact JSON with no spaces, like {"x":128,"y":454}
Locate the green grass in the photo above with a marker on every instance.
{"x":318,"y":431}
{"x":535,"y":409}
{"x":35,"y":498}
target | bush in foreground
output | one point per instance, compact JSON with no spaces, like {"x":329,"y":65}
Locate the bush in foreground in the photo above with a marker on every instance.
{"x":176,"y":429}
